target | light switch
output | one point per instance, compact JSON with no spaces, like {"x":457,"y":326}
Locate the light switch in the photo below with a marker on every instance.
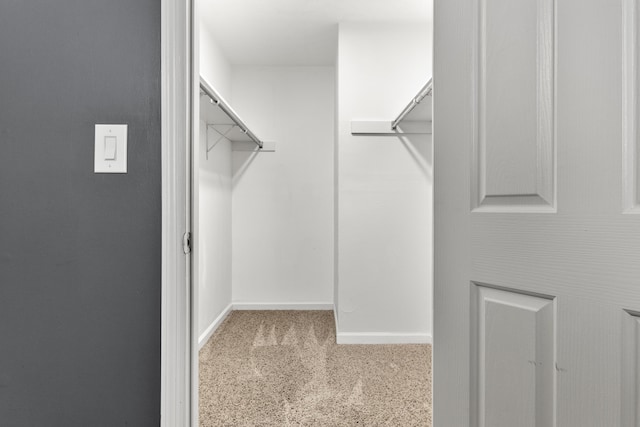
{"x":110,"y":149}
{"x":110,"y":143}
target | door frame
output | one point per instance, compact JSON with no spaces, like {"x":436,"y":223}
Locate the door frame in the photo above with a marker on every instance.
{"x":179,"y":87}
{"x":176,"y":331}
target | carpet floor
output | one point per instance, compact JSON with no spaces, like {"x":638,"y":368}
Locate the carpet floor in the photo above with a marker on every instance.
{"x":284,"y":368}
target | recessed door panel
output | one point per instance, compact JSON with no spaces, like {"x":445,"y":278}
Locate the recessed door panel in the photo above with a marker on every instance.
{"x":631,"y":83}
{"x":514,"y":153}
{"x":514,"y":358}
{"x":631,"y":369}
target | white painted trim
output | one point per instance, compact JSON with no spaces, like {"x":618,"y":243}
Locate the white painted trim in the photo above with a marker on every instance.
{"x":193,"y":205}
{"x":335,"y":319}
{"x":283,"y":306}
{"x":206,"y":335}
{"x":382,"y":338}
{"x":175,"y":346}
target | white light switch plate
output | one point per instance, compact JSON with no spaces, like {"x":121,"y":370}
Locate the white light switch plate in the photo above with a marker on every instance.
{"x":111,"y":149}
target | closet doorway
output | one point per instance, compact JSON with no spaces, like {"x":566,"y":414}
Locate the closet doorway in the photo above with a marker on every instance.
{"x":312,"y":212}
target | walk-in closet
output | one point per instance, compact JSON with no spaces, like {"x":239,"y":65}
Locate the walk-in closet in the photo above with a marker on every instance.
{"x":312,"y":212}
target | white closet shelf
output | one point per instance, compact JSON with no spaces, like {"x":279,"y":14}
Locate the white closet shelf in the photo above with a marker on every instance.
{"x":415,"y":118}
{"x":221,"y":118}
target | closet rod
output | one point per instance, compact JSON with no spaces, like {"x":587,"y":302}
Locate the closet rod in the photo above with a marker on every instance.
{"x":217,"y":99}
{"x":427,"y":90}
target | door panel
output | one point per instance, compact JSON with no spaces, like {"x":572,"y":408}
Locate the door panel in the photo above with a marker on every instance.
{"x":631,"y":38}
{"x":514,"y":354}
{"x":535,"y":116}
{"x":631,"y":369}
{"x":515,"y":149}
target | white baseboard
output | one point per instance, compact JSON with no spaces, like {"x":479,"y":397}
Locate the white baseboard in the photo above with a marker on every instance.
{"x":341,"y":337}
{"x":282,"y":306}
{"x":204,"y":338}
{"x":382,"y":338}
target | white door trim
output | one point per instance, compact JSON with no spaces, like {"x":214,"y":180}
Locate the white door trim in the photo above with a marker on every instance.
{"x":176,"y":53}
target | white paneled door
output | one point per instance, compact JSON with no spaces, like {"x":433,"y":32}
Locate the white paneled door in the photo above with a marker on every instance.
{"x":537,"y":218}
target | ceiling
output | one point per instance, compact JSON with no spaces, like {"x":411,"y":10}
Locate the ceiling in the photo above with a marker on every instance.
{"x":296,"y":32}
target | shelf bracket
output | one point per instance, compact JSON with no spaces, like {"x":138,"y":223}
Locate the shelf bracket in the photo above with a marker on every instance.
{"x":222,"y":134}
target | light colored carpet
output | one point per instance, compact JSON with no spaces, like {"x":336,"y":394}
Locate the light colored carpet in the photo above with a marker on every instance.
{"x":283,"y":368}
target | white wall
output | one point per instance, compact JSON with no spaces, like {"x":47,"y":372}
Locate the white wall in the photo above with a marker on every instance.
{"x":274,"y":225}
{"x":384,"y":185}
{"x":283,"y":201}
{"x":214,"y":254}
{"x":214,"y":66}
{"x":212,"y":201}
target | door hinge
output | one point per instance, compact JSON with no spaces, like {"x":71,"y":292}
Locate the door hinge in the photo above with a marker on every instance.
{"x":186,"y":242}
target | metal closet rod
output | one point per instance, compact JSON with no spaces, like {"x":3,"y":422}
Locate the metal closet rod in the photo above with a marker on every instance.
{"x":217,"y":99}
{"x":424,"y":92}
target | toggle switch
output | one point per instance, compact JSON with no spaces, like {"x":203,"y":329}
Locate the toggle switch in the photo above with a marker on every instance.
{"x":110,"y":154}
{"x":110,"y":144}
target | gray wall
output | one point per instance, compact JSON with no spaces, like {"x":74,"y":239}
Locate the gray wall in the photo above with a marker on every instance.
{"x":79,"y":252}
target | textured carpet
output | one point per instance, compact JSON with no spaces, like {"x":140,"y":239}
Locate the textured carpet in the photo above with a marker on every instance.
{"x":283,"y":368}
